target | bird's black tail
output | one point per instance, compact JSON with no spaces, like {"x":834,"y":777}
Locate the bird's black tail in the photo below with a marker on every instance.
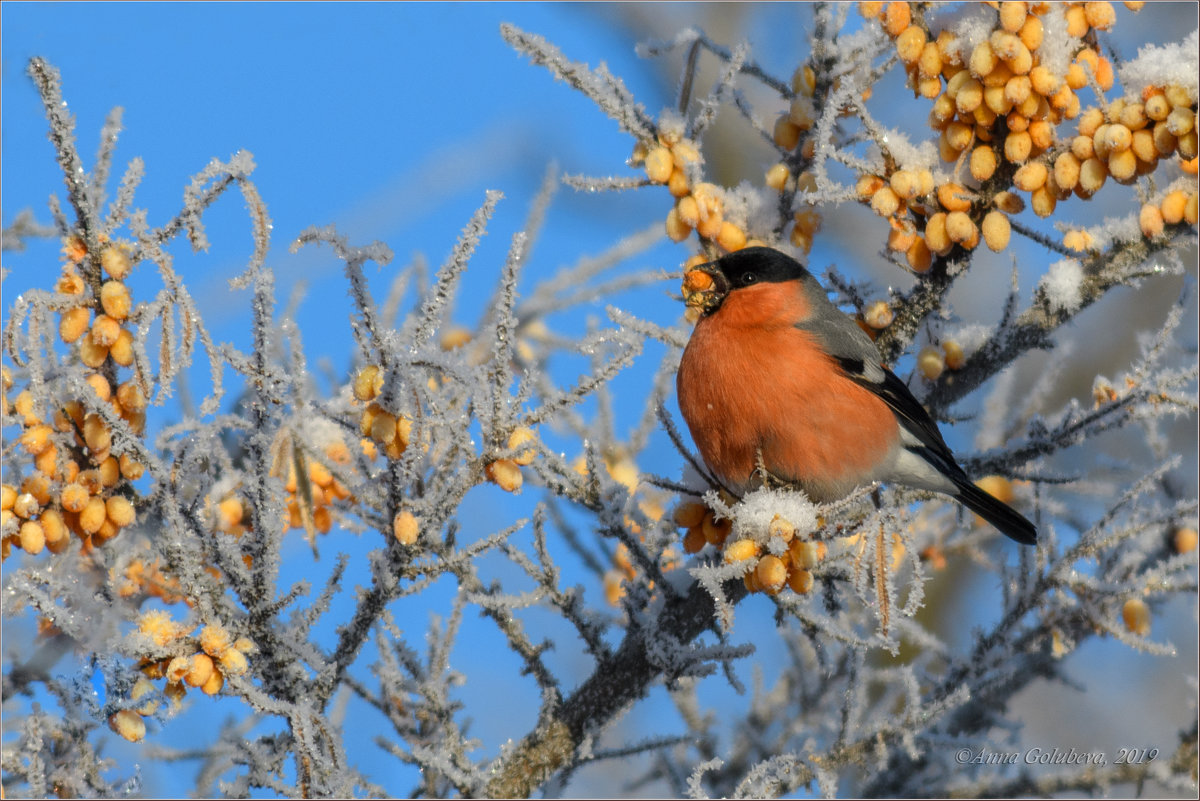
{"x":1005,"y":518}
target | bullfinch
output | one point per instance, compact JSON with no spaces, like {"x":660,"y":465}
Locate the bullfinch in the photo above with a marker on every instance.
{"x":775,"y":378}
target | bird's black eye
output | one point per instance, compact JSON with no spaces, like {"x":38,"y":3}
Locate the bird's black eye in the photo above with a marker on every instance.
{"x":748,"y":278}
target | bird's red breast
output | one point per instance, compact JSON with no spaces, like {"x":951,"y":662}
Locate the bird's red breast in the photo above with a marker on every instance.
{"x":750,"y":380}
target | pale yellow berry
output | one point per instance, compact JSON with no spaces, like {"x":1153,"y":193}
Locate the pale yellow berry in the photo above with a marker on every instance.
{"x":910,"y":43}
{"x":505,"y":473}
{"x":1157,"y":107}
{"x":405,"y":527}
{"x":214,"y":684}
{"x":996,"y":231}
{"x":93,"y":515}
{"x":731,"y":237}
{"x":142,"y":688}
{"x":1151,"y":221}
{"x":983,"y":162}
{"x":1092,"y":174}
{"x":233,"y":663}
{"x":1122,"y":166}
{"x":1017,"y":146}
{"x":131,"y":397}
{"x":905,"y":184}
{"x":105,"y":330}
{"x":115,"y":261}
{"x":1173,"y":206}
{"x":677,"y":229}
{"x":1078,"y":241}
{"x":960,"y":228}
{"x":919,"y":257}
{"x":879,"y":315}
{"x":520,"y":437}
{"x":659,"y":164}
{"x":689,"y":514}
{"x":955,"y":358}
{"x":800,"y":582}
{"x":74,"y":324}
{"x":1012,"y":15}
{"x":1099,"y":15}
{"x":1030,"y":176}
{"x":128,"y":724}
{"x":1043,"y":201}
{"x":931,"y":363}
{"x":1077,"y":24}
{"x":73,"y":497}
{"x":936,"y":238}
{"x":214,"y":640}
{"x":1066,"y":170}
{"x":122,"y":350}
{"x":1181,"y":121}
{"x":953,"y":197}
{"x":32,"y":537}
{"x":786,"y":133}
{"x":1136,"y":615}
{"x":771,"y":573}
{"x":715,"y":531}
{"x":96,"y":434}
{"x":368,"y":383}
{"x":1032,"y":32}
{"x":53,"y":526}
{"x":777,"y":177}
{"x":740,"y":550}
{"x":804,"y":554}
{"x":120,"y":511}
{"x":1184,"y":540}
{"x":116,"y":300}
{"x":200,"y":670}
{"x":896,"y":17}
{"x":885,"y":202}
{"x":37,"y":439}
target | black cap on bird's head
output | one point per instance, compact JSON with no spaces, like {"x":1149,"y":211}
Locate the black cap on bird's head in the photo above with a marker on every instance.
{"x":737,"y":270}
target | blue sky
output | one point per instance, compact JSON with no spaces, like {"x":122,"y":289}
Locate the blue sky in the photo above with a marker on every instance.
{"x":390,"y":120}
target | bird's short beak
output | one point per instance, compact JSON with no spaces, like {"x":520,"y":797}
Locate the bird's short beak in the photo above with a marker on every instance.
{"x":704,"y":288}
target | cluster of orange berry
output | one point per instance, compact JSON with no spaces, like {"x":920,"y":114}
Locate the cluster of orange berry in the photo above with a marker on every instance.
{"x":209,"y":658}
{"x":789,"y":133}
{"x":621,"y":468}
{"x":324,"y":488}
{"x":147,"y":577}
{"x":624,"y":570}
{"x":389,"y":431}
{"x":77,"y":482}
{"x":699,"y":206}
{"x":1135,"y":612}
{"x":997,"y":108}
{"x":768,"y":570}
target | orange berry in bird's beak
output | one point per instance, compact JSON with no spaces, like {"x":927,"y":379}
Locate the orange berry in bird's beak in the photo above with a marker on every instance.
{"x":696,"y":281}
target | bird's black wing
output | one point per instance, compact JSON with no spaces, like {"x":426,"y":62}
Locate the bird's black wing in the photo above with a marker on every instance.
{"x":909,"y":411}
{"x":839,"y":336}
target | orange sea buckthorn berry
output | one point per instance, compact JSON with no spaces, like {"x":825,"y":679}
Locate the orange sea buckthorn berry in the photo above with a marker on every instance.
{"x":800,"y":581}
{"x":740,"y":550}
{"x":1136,"y":615}
{"x":505,"y":473}
{"x":73,"y":324}
{"x":771,"y":574}
{"x":931,"y":363}
{"x":405,"y":527}
{"x":659,"y":164}
{"x":996,"y":231}
{"x":128,"y":724}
